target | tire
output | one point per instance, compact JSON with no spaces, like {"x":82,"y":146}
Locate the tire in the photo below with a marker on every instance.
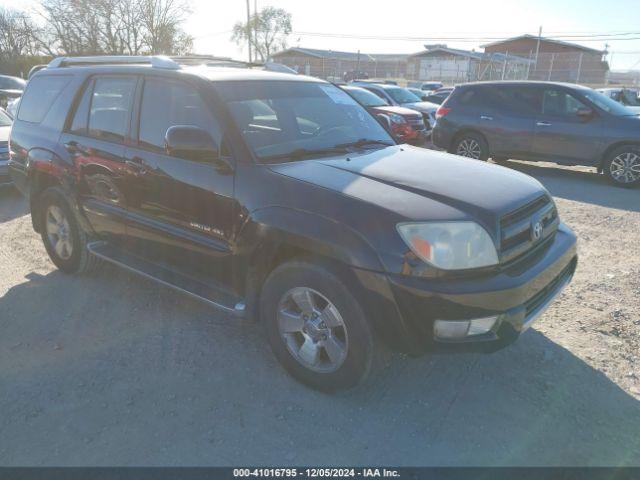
{"x":471,"y":145}
{"x":54,"y":208}
{"x":282,"y":316}
{"x":622,"y":166}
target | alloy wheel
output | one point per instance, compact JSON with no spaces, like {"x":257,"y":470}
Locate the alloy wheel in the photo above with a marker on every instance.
{"x":625,"y":168}
{"x":313,"y":330}
{"x":59,"y":232}
{"x":469,"y":148}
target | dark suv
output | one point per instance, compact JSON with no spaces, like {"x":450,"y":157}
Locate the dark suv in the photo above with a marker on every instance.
{"x":280,"y":198}
{"x":562,"y":123}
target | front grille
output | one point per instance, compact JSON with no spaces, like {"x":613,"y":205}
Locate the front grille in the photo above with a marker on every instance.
{"x":417,"y":124}
{"x":517,"y":229}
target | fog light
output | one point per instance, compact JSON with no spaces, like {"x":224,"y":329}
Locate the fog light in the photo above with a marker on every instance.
{"x":450,"y":330}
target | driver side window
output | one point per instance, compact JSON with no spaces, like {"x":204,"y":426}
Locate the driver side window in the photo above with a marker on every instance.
{"x":167,"y":103}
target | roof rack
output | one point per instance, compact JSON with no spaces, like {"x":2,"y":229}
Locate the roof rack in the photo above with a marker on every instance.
{"x":156,"y":61}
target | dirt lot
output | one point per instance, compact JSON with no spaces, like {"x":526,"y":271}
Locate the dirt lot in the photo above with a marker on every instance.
{"x":111,"y":369}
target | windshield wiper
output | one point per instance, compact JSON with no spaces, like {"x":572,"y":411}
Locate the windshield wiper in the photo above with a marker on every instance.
{"x":305,"y":152}
{"x":363,"y":142}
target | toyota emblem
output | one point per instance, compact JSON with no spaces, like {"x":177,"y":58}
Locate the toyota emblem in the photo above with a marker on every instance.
{"x":536,"y":231}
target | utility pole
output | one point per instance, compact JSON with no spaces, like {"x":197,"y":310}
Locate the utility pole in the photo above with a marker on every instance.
{"x":538,"y":47}
{"x":249,"y":31}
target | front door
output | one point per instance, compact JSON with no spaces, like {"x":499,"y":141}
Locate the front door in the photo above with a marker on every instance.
{"x":564,"y":136}
{"x":182,"y":216}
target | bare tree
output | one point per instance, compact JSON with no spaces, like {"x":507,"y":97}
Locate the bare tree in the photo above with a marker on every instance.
{"x":17,"y":34}
{"x":266,"y":31}
{"x":161,"y":20}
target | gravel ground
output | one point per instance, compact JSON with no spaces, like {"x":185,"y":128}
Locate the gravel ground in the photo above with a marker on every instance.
{"x":111,"y":369}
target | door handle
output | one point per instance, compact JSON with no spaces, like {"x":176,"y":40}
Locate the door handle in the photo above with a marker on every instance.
{"x":543,"y":124}
{"x":485,"y":117}
{"x":73,"y":147}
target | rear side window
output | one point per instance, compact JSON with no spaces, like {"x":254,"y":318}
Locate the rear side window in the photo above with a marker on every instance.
{"x":110,"y":110}
{"x":41,"y":92}
{"x":165,"y":104}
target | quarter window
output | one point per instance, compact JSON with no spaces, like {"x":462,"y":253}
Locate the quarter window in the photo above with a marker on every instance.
{"x":40,"y":96}
{"x":165,"y":104}
{"x":111,"y":107}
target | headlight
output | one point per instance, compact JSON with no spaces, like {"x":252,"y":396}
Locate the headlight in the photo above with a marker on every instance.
{"x":395,"y":118}
{"x":450,"y":245}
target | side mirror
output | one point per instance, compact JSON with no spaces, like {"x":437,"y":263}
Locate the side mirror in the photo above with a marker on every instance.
{"x":191,"y":143}
{"x":585,"y":113}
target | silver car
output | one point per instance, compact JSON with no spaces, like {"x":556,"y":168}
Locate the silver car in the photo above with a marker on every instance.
{"x":5,"y":128}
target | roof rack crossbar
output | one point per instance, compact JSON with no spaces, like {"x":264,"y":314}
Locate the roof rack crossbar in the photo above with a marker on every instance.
{"x":156,"y":61}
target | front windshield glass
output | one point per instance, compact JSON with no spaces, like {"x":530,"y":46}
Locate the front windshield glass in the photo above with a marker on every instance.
{"x":5,"y":120}
{"x":607,"y":104}
{"x":284,"y":120}
{"x":12,"y":83}
{"x":402,"y":95}
{"x":366,"y":98}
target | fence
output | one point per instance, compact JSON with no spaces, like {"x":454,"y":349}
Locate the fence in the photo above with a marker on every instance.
{"x":584,"y":68}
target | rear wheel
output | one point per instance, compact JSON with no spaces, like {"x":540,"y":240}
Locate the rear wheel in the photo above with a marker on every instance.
{"x":317,"y":328}
{"x":471,"y":145}
{"x":622,"y":166}
{"x":64,"y":240}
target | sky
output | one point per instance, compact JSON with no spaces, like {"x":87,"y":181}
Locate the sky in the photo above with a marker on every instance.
{"x":211,"y":22}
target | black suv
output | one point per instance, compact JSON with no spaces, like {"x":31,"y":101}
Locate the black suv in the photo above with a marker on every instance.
{"x":278,"y":197}
{"x":542,"y":121}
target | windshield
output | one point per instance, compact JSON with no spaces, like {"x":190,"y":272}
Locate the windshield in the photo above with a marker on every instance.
{"x":12,"y":83}
{"x":366,"y":98}
{"x":401,"y":95}
{"x":607,"y":104}
{"x":5,"y":120}
{"x":299,"y":119}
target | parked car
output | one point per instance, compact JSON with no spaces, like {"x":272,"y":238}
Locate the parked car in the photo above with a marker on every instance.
{"x":562,"y":123}
{"x":10,"y":87}
{"x":628,"y":97}
{"x":354,"y":75}
{"x":439,"y":96}
{"x":5,"y":128}
{"x":430,"y":86}
{"x":278,"y":197}
{"x":12,"y":107}
{"x":421,"y":94}
{"x":402,"y":97}
{"x":407,"y":126}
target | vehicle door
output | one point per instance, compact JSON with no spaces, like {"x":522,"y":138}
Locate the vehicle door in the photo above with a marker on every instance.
{"x":95,"y":139}
{"x":505,"y":115}
{"x":183,"y":211}
{"x":567,"y":130}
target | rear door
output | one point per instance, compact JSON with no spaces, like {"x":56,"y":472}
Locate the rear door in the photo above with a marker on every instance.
{"x":183,"y":210}
{"x":95,"y":140}
{"x":562,"y":135}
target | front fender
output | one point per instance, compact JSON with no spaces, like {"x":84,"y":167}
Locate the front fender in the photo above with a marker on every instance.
{"x":310,"y":232}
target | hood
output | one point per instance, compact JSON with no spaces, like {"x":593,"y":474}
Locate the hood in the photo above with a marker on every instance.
{"x":635,"y":110}
{"x":426,"y":107}
{"x":420,"y":184}
{"x":405,"y":112}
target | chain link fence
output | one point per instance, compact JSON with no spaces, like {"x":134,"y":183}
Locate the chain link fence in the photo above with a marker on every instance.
{"x":583,"y":68}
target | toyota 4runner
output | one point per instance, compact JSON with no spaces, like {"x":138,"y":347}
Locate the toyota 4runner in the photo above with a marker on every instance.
{"x":278,"y":197}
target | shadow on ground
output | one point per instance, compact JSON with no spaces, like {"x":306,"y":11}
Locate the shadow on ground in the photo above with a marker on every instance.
{"x":12,"y":204}
{"x":111,"y":369}
{"x":581,"y":185}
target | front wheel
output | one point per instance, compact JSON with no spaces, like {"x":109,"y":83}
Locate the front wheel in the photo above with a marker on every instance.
{"x":317,"y":328}
{"x":622,"y":166}
{"x":471,"y":145}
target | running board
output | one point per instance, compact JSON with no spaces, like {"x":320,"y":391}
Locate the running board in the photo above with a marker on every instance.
{"x":205,"y":292}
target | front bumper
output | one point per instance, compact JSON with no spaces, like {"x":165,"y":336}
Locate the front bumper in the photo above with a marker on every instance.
{"x":517,"y":295}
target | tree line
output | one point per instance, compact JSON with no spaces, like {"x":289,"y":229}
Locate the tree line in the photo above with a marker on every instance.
{"x":91,"y":27}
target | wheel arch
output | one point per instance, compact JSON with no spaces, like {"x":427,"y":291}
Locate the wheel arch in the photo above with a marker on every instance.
{"x":611,"y":148}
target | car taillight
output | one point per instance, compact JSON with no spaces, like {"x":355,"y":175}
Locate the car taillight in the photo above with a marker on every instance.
{"x":441,"y":112}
